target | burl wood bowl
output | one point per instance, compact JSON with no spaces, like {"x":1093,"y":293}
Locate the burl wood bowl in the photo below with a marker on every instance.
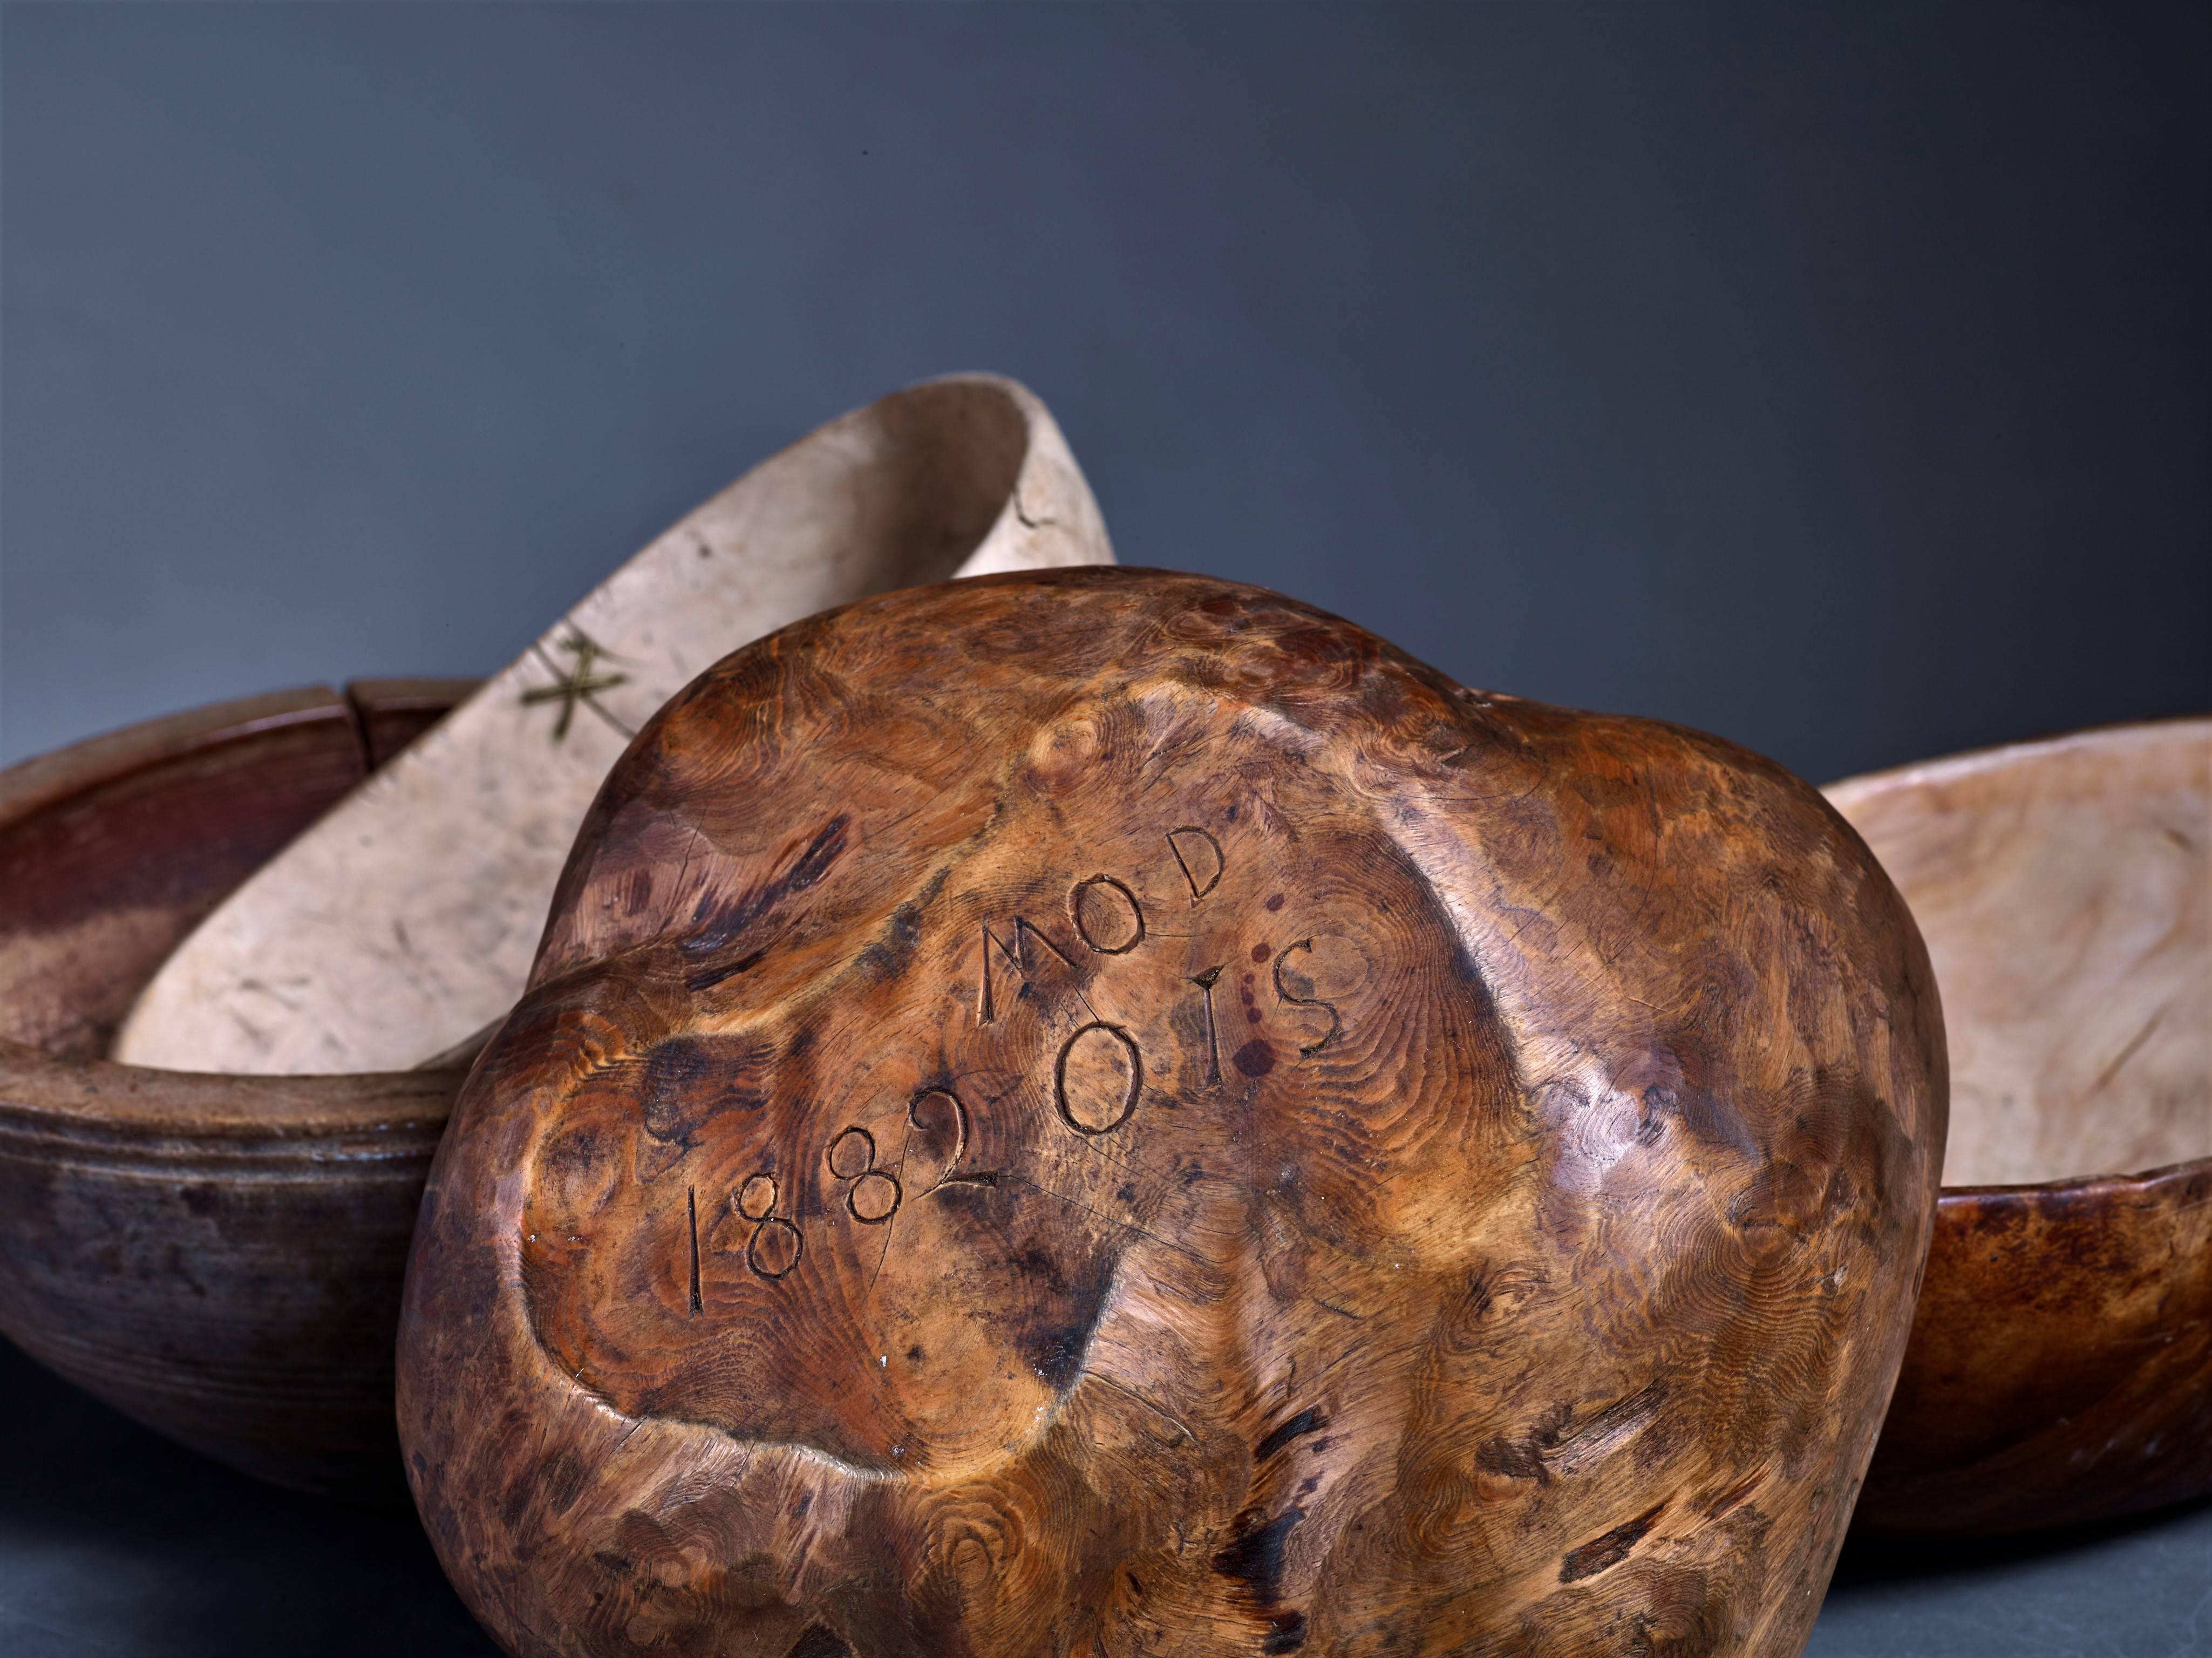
{"x":2060,"y":1367}
{"x":219,"y":1257}
{"x":1105,"y":1112}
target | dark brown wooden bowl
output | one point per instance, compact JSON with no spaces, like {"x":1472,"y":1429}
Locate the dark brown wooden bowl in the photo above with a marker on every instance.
{"x":219,"y":1257}
{"x":2060,"y":1367}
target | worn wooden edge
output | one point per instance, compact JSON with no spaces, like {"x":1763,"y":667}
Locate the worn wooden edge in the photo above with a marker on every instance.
{"x":1952,"y":767}
{"x":291,"y":1390}
{"x":45,"y":780}
{"x":2089,"y":1187}
{"x":409,"y":695}
{"x":96,"y":1103}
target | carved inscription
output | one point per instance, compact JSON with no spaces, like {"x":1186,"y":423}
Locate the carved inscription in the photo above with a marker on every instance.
{"x":873,"y":1197}
{"x":1204,"y":983}
{"x":691,"y":1216}
{"x":1198,"y":856}
{"x":1015,"y":954}
{"x":1107,"y":915}
{"x":942,"y":1104}
{"x":775,"y":1246}
{"x":756,"y":1199}
{"x":1285,"y":994}
{"x":873,"y":1193}
{"x":1097,"y":1077}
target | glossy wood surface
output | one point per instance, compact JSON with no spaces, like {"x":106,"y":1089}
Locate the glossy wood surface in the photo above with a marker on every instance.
{"x":219,"y":1257}
{"x":1108,"y":1112}
{"x":2060,"y":1367}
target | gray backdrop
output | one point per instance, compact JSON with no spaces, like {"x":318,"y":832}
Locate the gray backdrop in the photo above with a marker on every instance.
{"x":1836,"y":378}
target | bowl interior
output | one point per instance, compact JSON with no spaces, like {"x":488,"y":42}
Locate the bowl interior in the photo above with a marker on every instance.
{"x":113,"y":849}
{"x":2064,"y":890}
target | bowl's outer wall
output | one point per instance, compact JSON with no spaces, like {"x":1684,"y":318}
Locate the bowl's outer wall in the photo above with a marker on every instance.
{"x":221,"y":1263}
{"x":235,"y":1289}
{"x":2060,"y":1367}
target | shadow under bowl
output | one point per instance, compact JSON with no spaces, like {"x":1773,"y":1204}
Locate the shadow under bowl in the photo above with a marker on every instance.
{"x":219,"y":1257}
{"x":2060,"y":1364}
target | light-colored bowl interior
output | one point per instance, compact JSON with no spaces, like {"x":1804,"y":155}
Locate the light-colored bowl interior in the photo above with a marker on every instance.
{"x":2064,"y":890}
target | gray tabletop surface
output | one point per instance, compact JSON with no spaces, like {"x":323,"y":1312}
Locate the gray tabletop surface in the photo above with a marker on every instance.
{"x":114,"y":1541}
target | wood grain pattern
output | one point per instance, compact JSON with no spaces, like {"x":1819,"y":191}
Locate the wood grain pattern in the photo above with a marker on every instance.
{"x":218,"y":1257}
{"x":2060,"y":1367}
{"x":392,"y":931}
{"x":1110,"y":1112}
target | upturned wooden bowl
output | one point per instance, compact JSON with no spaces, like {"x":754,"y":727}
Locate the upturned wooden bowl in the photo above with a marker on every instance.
{"x":1099,"y":1110}
{"x":2060,"y":1367}
{"x":219,"y":1257}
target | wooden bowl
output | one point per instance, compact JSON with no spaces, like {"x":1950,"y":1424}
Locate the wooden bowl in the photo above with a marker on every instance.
{"x":2060,"y":1367}
{"x":1101,"y":1111}
{"x":219,"y":1257}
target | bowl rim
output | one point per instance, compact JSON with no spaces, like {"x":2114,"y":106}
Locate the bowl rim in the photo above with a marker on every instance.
{"x":2073,"y":1185}
{"x":99,"y":1106}
{"x":1949,"y":767}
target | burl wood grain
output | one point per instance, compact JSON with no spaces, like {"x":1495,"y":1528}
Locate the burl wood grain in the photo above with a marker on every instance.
{"x":2060,"y":1367}
{"x":1110,"y":1112}
{"x":219,"y":1257}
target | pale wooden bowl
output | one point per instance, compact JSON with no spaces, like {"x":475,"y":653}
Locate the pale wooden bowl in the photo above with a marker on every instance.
{"x":219,"y":1257}
{"x":2060,"y":1367}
